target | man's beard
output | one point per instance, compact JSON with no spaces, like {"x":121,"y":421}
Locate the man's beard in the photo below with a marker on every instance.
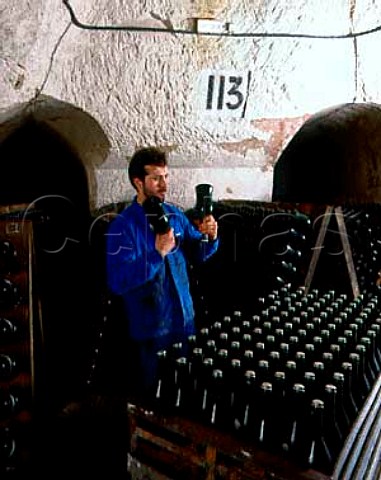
{"x":160,"y":195}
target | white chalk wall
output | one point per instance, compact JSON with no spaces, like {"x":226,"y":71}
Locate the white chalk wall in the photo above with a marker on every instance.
{"x":224,"y":107}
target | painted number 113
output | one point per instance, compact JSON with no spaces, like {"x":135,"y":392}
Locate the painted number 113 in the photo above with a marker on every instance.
{"x":225,"y":91}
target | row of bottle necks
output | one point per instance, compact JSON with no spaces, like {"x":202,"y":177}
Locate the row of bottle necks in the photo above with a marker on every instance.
{"x":292,"y":383}
{"x":16,"y":393}
{"x":16,"y":400}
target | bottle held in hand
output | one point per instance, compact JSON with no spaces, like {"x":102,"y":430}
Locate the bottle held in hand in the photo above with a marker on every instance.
{"x":204,"y":203}
{"x":156,"y":215}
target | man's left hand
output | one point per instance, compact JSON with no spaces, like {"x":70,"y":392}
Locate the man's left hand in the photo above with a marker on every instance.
{"x":209,"y":227}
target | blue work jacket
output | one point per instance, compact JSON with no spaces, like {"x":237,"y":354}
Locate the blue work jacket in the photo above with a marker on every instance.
{"x":155,"y":290}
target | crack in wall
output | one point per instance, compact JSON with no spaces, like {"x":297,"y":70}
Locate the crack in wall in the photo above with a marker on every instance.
{"x":352,"y":11}
{"x":40,"y":89}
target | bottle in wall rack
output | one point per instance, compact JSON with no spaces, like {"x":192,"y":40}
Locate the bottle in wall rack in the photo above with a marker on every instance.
{"x":7,"y":445}
{"x":8,"y":331}
{"x":8,"y":367}
{"x":8,"y":257}
{"x":9,"y":403}
{"x":9,"y":293}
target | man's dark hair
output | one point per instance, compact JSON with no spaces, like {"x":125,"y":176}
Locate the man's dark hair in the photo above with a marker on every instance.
{"x":141,"y":158}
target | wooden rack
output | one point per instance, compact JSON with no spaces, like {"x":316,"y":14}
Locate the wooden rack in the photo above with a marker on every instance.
{"x":169,"y":447}
{"x":173,"y":448}
{"x":319,"y":245}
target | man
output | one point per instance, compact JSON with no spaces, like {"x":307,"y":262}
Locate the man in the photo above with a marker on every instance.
{"x":149,"y":270}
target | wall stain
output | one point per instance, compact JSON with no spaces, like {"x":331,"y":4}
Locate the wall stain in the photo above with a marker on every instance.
{"x":210,"y":50}
{"x":210,"y":8}
{"x":281,"y":131}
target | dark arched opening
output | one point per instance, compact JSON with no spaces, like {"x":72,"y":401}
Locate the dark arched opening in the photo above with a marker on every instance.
{"x":334,"y":161}
{"x":42,"y":177}
{"x":334,"y":158}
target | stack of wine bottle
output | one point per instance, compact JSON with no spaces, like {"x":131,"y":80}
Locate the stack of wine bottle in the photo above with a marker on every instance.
{"x":264,"y":246}
{"x":363,"y":229}
{"x":18,"y":345}
{"x":268,"y":243}
{"x":10,"y":398}
{"x":290,"y":376}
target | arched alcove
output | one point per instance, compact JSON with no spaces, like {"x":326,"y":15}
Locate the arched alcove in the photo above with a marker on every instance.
{"x":72,"y":126}
{"x":36,"y":163}
{"x":334,"y":162}
{"x":334,"y":158}
{"x":48,"y":155}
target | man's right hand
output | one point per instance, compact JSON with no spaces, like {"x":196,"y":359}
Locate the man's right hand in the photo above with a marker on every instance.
{"x":165,"y":242}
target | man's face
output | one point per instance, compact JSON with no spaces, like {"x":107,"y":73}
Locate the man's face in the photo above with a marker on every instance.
{"x":155,"y":182}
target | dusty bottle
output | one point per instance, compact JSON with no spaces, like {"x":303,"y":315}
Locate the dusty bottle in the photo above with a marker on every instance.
{"x":360,"y":385}
{"x":294,"y":432}
{"x":342,"y":416}
{"x":183,"y":385}
{"x":165,"y":384}
{"x":332,"y":432}
{"x":195,"y":368}
{"x":265,"y":427}
{"x":202,"y":394}
{"x":247,"y":403}
{"x":279,"y":407}
{"x":317,"y":454}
